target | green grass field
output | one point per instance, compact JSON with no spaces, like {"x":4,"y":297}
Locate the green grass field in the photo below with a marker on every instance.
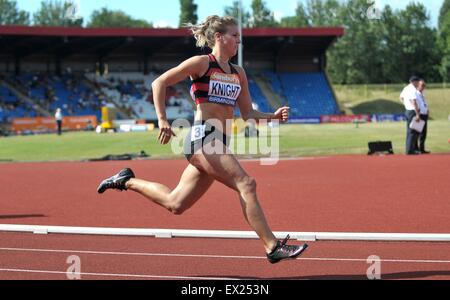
{"x":295,"y":140}
{"x":383,"y":98}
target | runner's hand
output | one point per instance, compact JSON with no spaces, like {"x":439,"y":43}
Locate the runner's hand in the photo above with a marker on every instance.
{"x":165,"y":132}
{"x":282,"y":114}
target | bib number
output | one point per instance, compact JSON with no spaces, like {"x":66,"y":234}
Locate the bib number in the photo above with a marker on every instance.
{"x":198,"y":132}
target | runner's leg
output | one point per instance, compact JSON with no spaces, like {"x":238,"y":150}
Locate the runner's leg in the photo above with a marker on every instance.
{"x":193,"y":184}
{"x":226,"y":169}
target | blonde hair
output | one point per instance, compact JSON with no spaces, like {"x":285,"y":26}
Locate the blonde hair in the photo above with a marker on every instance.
{"x":204,"y":32}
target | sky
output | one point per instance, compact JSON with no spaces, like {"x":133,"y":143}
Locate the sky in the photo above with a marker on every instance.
{"x":166,"y":13}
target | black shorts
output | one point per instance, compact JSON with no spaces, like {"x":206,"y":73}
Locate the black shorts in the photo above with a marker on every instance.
{"x":201,"y":135}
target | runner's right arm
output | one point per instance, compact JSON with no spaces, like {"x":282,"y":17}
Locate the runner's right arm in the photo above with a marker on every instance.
{"x":191,"y":67}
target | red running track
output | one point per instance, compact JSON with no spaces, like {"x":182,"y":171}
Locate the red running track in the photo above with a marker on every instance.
{"x":27,"y":256}
{"x":336,"y":194}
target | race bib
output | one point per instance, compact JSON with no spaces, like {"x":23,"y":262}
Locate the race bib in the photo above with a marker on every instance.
{"x":197,"y":132}
{"x":224,"y":88}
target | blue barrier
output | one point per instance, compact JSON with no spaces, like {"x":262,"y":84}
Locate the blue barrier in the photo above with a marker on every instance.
{"x":388,"y":118}
{"x":304,"y":120}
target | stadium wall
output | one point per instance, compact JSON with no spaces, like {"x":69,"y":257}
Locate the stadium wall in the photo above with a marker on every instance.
{"x":41,"y":64}
{"x":299,"y":64}
{"x":255,"y":62}
{"x":83,"y":63}
{"x":6,"y":64}
{"x":122,"y":64}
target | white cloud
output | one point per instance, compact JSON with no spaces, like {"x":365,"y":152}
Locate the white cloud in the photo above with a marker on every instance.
{"x":278,"y":15}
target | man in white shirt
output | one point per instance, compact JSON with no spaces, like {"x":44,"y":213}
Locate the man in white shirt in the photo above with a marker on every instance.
{"x":59,"y":118}
{"x":409,"y":100}
{"x":424,"y":114}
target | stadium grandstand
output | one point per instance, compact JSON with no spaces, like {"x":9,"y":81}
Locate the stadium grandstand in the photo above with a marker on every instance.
{"x":81,"y":70}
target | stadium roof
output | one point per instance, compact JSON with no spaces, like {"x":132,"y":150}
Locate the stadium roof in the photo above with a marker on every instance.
{"x":62,"y":44}
{"x":160,"y":32}
{"x":24,"y":41}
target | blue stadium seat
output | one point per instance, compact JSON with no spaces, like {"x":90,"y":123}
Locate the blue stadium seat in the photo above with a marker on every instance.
{"x":7,"y":95}
{"x":275,"y":81}
{"x":11,"y":106}
{"x":308,"y":94}
{"x":67,"y":89}
{"x":258,"y":96}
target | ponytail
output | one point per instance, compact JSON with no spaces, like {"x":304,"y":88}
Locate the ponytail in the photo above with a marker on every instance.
{"x":204,"y":32}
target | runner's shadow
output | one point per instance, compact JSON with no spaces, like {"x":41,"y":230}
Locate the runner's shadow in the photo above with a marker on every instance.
{"x":5,"y":217}
{"x":389,"y":276}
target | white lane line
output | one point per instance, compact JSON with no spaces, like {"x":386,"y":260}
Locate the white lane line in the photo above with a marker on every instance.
{"x":284,"y":158}
{"x":133,"y":254}
{"x":218,"y":256}
{"x":115,"y":275}
{"x":172,"y":233}
{"x":381,"y":260}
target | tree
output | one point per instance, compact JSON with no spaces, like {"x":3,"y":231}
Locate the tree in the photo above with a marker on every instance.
{"x":443,"y":13}
{"x":233,"y":11}
{"x":392,"y":31}
{"x":105,"y":18}
{"x":419,"y":43}
{"x":56,"y":13}
{"x":356,"y":57}
{"x":316,"y":13}
{"x":262,"y":16}
{"x":188,"y":12}
{"x":323,"y":12}
{"x":11,"y":15}
{"x":301,"y":18}
{"x":444,"y":45}
{"x":388,"y":48}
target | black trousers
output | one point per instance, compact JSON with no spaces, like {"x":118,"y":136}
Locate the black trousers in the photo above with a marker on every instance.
{"x":423,"y":134}
{"x":412,"y":136}
{"x":59,"y":124}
